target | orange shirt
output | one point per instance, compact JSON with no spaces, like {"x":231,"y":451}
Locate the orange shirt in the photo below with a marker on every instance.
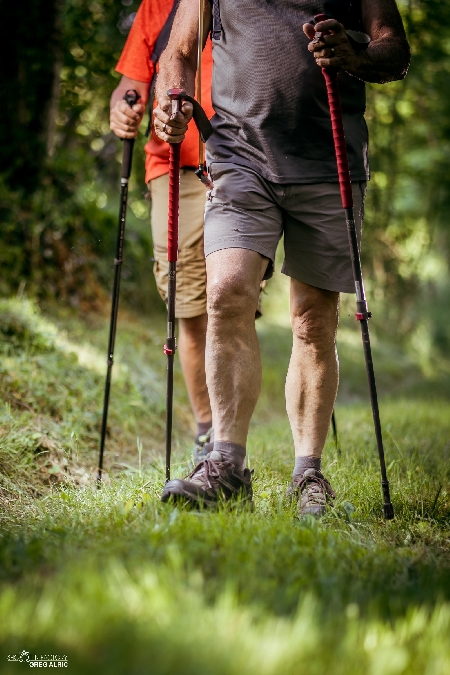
{"x":135,"y":63}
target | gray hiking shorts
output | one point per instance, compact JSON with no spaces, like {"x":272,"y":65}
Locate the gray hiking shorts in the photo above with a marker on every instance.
{"x":244,"y":210}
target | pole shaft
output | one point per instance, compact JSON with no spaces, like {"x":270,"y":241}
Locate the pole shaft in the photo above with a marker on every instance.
{"x":127,"y":152}
{"x":362,"y":315}
{"x":172,"y":256}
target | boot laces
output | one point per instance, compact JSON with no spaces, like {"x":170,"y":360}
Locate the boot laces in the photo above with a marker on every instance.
{"x":209,"y":469}
{"x":315,"y":484}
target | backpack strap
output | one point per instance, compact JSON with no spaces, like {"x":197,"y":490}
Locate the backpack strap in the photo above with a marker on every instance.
{"x":216,"y":31}
{"x":160,"y":45}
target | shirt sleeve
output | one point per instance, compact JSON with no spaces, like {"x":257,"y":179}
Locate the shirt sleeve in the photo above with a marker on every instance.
{"x":135,"y":60}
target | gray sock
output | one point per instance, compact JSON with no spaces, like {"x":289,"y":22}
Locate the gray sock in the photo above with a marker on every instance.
{"x":231,"y":452}
{"x":303,"y":463}
{"x":202,"y":429}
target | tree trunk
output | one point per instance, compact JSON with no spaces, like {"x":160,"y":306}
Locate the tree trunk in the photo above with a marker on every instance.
{"x":30,"y":49}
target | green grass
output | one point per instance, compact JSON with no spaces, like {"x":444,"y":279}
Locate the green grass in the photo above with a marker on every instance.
{"x":121,"y":583}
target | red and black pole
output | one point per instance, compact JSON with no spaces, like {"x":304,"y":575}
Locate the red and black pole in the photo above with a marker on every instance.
{"x":131,"y":97}
{"x":172,"y":257}
{"x":362,"y":312}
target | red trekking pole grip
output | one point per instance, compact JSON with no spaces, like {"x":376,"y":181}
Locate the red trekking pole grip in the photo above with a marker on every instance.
{"x":334,"y":100}
{"x":174,"y":184}
{"x":174,"y":196}
{"x":337,"y":125}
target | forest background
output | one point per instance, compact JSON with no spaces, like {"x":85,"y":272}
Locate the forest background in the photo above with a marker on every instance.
{"x":59,"y":170}
{"x":116,"y":580}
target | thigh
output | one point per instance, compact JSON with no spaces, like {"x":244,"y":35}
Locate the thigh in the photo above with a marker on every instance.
{"x":241,"y":213}
{"x":316,"y":243}
{"x":191,"y":270}
{"x":192,"y":209}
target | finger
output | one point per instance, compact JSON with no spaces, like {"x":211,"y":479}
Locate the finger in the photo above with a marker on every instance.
{"x":187,"y":109}
{"x":329,"y":25}
{"x":168,"y":138}
{"x":178,"y":121}
{"x":309,"y":30}
{"x":123,"y":108}
{"x":327,"y":53}
{"x":124,"y":127}
{"x":329,"y":62}
{"x":316,"y":45}
{"x":160,"y":115}
{"x":122,"y":131}
{"x":123,"y":118}
{"x":169,"y":130}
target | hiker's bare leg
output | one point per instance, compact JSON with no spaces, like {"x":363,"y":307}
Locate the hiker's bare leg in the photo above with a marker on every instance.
{"x":313,"y":375}
{"x":191,"y":350}
{"x":233,"y":363}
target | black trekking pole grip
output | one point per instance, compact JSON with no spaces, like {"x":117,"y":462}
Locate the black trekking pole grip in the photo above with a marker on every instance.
{"x":131,"y":97}
{"x":362,"y":313}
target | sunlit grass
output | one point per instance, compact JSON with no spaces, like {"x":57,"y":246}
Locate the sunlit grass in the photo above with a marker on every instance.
{"x":121,"y":583}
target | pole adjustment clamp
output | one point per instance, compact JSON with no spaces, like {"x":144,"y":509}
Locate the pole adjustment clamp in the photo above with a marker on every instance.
{"x":360,"y":316}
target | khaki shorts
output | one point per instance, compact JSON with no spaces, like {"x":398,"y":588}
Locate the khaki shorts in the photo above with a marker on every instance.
{"x":191,"y":269}
{"x":246,"y":211}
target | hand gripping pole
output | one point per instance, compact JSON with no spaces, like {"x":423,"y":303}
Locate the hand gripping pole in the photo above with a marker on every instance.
{"x":362,"y":313}
{"x":131,"y":97}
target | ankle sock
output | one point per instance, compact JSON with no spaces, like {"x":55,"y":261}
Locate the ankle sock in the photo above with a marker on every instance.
{"x":202,"y":429}
{"x":232,"y":452}
{"x":303,"y":463}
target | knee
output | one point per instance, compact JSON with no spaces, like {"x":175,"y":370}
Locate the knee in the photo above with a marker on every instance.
{"x":314,"y":327}
{"x":231,"y":298}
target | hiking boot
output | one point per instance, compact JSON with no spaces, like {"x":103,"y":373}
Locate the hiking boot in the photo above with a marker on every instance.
{"x":211,"y":481}
{"x":202,"y":446}
{"x":313,"y":492}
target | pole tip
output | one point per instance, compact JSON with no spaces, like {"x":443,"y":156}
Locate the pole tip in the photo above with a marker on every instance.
{"x":388,"y":511}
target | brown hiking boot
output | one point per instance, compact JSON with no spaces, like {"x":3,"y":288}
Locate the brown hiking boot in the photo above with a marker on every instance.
{"x":213,"y":480}
{"x":313,"y":491}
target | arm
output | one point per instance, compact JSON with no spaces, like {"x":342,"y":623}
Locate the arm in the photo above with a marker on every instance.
{"x":387,"y":57}
{"x":177,"y":68}
{"x":123,"y":120}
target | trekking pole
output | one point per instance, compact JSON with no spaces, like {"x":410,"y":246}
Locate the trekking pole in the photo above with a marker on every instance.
{"x":131,"y":97}
{"x":205,"y":129}
{"x":362,"y":311}
{"x":172,"y":256}
{"x":335,"y":433}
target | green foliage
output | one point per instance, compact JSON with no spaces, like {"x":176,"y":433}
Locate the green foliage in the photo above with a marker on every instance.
{"x":52,"y":389}
{"x":407,"y":240}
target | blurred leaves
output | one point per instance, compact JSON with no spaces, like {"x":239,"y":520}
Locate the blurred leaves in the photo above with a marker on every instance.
{"x":59,"y":219}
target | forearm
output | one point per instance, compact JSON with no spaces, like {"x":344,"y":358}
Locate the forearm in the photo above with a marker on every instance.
{"x":384,"y":60}
{"x":178,"y":63}
{"x":176,"y":69}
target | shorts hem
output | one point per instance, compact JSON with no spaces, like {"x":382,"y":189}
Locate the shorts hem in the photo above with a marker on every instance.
{"x":318,"y":282}
{"x":239,"y":243}
{"x":191,"y":311}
